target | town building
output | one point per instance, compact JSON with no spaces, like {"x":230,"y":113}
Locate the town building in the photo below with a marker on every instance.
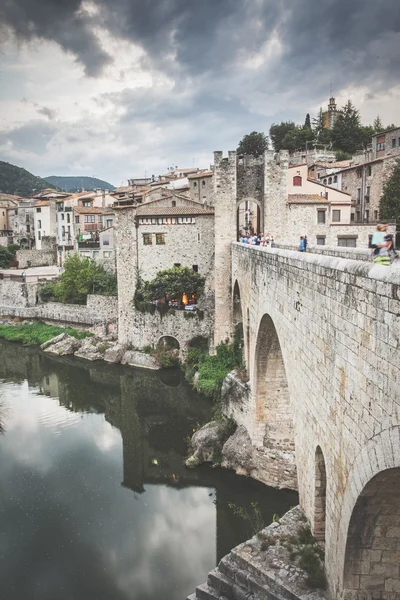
{"x":65,"y":228}
{"x":21,"y":220}
{"x":201,"y":187}
{"x":45,"y":223}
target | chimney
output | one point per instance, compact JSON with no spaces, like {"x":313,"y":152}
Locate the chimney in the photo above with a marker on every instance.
{"x":103,"y":195}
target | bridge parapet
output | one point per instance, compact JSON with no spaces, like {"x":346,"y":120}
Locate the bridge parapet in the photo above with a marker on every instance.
{"x":322,"y":347}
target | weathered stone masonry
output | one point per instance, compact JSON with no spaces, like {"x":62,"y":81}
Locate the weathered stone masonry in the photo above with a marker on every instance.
{"x":336,"y":325}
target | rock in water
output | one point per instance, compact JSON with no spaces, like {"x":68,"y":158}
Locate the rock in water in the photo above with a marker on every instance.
{"x":207,"y":443}
{"x":237,"y":452}
{"x":115,"y":353}
{"x":68,"y":345}
{"x":53,"y":340}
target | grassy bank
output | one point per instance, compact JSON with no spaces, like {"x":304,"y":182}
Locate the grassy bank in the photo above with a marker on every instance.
{"x":34,"y":334}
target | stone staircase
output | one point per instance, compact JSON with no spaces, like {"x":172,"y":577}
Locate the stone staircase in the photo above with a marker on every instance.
{"x":235,"y":578}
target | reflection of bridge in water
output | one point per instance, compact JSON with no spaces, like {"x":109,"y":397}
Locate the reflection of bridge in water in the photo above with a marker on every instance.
{"x":155,"y":413}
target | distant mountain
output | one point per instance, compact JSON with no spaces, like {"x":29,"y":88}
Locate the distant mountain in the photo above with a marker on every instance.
{"x":18,"y":181}
{"x":77,"y":184}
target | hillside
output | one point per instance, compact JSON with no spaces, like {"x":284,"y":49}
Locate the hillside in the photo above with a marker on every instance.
{"x":18,"y":181}
{"x":77,"y":184}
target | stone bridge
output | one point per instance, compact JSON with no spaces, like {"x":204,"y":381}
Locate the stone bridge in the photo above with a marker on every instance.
{"x":322,"y":349}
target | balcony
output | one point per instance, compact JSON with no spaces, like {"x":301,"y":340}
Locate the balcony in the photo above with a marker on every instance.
{"x":89,"y":244}
{"x":92,"y":226}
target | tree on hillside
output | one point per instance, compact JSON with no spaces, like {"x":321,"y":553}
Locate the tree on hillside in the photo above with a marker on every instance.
{"x":277,"y":133}
{"x":307,"y":122}
{"x":318,"y":122}
{"x":390,"y":200}
{"x":346,"y":132}
{"x":254,"y":143}
{"x":377,"y":125}
{"x":366,"y":133}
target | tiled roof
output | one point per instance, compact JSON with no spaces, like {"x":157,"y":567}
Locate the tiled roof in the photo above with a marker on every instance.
{"x":160,"y":211}
{"x":92,"y":210}
{"x":199,"y":175}
{"x":42,"y":203}
{"x":307,"y":199}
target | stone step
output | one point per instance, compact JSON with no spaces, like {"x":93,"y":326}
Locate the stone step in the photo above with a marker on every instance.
{"x":206,"y":592}
{"x":220,"y":582}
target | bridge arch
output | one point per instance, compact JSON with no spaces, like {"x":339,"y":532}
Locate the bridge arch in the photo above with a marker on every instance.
{"x":319,"y":496}
{"x":168,"y":342}
{"x":273,"y":413}
{"x":376,"y":464}
{"x":373,"y":541}
{"x":237,"y":314}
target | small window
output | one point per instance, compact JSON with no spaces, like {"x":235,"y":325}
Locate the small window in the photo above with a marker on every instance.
{"x":180,"y":220}
{"x":321,"y":216}
{"x":90,"y":218}
{"x":109,"y":223}
{"x":335,"y":179}
{"x":352,"y":216}
{"x":77,"y":219}
{"x":160,"y":239}
{"x":39,"y":224}
{"x":330,"y":181}
{"x":106,"y":240}
{"x":38,"y":210}
{"x":154,"y":221}
{"x":375,"y":215}
{"x":68,"y":218}
{"x":39,"y":237}
{"x":324,"y":181}
{"x":159,"y":221}
{"x":393,"y":142}
{"x":106,"y":253}
{"x":195,"y":268}
{"x":177,"y":265}
{"x":198,"y":238}
{"x":195,"y":184}
{"x":87,"y":203}
{"x":367,"y":216}
{"x":297,"y":180}
{"x":358,"y":215}
{"x":380,"y":146}
{"x":359,"y":172}
{"x":320,"y":240}
{"x":350,"y":242}
{"x":335,"y":216}
{"x":367,"y":195}
{"x":203,"y":183}
{"x":369,"y":170}
{"x":358,"y":195}
{"x":173,"y":202}
{"x":62,"y":216}
{"x":147,"y":239}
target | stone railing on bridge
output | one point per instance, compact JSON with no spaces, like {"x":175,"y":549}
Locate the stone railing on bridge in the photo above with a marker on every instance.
{"x":364,"y":254}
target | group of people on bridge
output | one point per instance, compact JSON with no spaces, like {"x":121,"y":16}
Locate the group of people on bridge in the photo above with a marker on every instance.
{"x":256,"y":239}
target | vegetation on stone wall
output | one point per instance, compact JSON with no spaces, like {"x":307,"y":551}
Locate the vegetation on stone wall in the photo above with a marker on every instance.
{"x":81,"y":277}
{"x":34,"y":334}
{"x":212,"y":369}
{"x":7,"y":255}
{"x":168,"y":285}
{"x":390,"y":200}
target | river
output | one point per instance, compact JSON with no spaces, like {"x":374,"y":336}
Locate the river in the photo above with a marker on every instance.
{"x":95,"y":502}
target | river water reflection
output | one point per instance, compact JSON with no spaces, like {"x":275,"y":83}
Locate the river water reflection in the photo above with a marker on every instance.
{"x":94,"y":500}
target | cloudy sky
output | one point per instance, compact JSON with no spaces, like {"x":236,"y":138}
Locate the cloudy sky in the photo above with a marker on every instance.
{"x":124,"y":88}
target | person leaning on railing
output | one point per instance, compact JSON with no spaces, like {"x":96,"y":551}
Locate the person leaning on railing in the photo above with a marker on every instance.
{"x":381,"y":246}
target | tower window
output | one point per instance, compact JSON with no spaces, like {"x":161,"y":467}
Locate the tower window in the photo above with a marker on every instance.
{"x":297,"y":180}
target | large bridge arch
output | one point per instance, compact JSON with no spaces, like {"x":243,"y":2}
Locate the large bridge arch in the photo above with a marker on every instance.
{"x":273,"y":412}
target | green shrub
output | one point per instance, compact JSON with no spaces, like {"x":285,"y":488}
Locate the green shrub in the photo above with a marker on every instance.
{"x":81,"y":277}
{"x":34,"y":334}
{"x":47,"y":291}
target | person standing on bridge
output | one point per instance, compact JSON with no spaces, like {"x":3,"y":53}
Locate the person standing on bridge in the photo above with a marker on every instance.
{"x":305,"y":243}
{"x":381,"y":246}
{"x":302,"y":245}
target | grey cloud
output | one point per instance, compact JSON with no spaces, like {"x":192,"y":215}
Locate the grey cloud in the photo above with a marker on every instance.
{"x":33,"y":136}
{"x":47,"y":112}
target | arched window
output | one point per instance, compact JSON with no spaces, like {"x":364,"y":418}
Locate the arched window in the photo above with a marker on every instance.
{"x":324,"y":181}
{"x":173,"y":202}
{"x":203,"y":183}
{"x":297,"y":180}
{"x":329,"y":180}
{"x":194,"y":184}
{"x":335,"y":179}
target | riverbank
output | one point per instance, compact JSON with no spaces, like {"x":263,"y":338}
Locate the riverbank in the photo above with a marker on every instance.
{"x":35,"y":334}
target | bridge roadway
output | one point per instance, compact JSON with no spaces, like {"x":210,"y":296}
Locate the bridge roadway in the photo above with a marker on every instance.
{"x":322,"y":348}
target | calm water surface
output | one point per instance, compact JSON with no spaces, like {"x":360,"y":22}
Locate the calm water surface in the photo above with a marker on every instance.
{"x":94,"y":500}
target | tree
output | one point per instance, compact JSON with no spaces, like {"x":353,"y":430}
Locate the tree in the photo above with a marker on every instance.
{"x":254,"y":143}
{"x":277,"y":133}
{"x":366,"y":133}
{"x":83,"y":276}
{"x":340,"y":155}
{"x":307,"y":122}
{"x":346,"y":132}
{"x":390,"y":200}
{"x":318,"y":122}
{"x":173,"y":283}
{"x":377,"y":124}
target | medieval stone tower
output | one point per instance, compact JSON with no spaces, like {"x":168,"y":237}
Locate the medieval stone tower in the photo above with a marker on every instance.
{"x":260,"y":181}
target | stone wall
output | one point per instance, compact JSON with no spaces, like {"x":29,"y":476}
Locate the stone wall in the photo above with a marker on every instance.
{"x":19,"y":299}
{"x":144,"y":329}
{"x":337,"y":322}
{"x":36,"y":258}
